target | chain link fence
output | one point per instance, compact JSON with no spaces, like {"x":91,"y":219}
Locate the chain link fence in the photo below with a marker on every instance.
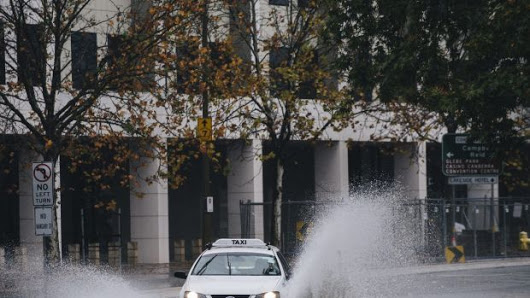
{"x":485,"y":227}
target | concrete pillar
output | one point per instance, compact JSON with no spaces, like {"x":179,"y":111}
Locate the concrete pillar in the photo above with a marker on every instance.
{"x":245,"y":183}
{"x":149,"y":211}
{"x":410,"y":169}
{"x":26,"y":211}
{"x":331,"y":170}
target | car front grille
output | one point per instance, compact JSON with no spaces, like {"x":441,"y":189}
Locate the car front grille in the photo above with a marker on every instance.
{"x":226,"y":296}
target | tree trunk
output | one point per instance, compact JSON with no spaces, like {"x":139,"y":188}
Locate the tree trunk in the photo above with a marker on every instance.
{"x":51,"y":243}
{"x":278,"y":200}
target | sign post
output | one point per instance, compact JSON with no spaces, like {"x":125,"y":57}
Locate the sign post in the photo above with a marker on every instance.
{"x":42,"y":173}
{"x":468,"y":161}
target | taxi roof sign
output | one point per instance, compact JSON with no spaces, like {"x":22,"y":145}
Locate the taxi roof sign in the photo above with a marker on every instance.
{"x":225,"y":242}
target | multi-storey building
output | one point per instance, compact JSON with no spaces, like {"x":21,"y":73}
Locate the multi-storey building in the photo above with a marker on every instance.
{"x":154,"y":214}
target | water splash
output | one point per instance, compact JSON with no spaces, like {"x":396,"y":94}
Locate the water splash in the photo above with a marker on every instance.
{"x":356,"y":248}
{"x":64,"y":281}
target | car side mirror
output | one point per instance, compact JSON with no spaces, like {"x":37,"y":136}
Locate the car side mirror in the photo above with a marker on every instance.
{"x":181,"y":274}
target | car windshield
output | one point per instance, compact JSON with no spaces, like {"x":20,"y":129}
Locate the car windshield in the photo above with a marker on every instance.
{"x":237,"y":263}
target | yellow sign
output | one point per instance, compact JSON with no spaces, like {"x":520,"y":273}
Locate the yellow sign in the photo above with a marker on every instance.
{"x":204,"y":129}
{"x":455,"y":254}
{"x":302,"y":230}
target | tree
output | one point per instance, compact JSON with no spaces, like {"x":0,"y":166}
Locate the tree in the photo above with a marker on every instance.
{"x":460,"y":64}
{"x":282,"y":88}
{"x":61,"y":84}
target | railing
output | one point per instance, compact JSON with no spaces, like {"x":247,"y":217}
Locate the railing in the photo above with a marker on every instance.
{"x":485,"y":227}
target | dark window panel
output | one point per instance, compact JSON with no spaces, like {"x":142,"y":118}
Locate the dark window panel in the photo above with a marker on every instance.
{"x":278,"y":58}
{"x":307,"y":89}
{"x":279,"y":2}
{"x":187,"y":80}
{"x":31,"y":54}
{"x":303,"y":3}
{"x":84,"y":59}
{"x":2,"y":55}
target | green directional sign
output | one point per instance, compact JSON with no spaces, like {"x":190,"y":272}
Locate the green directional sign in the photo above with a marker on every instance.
{"x":462,"y":156}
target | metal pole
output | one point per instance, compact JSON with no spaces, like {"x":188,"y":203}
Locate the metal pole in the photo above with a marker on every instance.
{"x":206,"y":219}
{"x":119,"y":236}
{"x":444,"y":224}
{"x":453,"y":216}
{"x":492,"y":219}
{"x":475,"y":230}
{"x":504,"y":229}
{"x":83,"y":235}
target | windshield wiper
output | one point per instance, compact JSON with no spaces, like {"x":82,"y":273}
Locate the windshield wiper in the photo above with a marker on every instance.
{"x":203,"y":268}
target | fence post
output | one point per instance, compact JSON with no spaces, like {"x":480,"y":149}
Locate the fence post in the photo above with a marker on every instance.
{"x":475,"y":230}
{"x":444,"y":225}
{"x":492,"y":223}
{"x":504,"y":211}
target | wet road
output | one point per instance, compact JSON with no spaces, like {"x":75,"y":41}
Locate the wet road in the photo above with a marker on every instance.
{"x":513,"y":281}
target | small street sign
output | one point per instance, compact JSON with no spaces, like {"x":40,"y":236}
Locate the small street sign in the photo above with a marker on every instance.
{"x":204,"y":129}
{"x":43,"y":221}
{"x":42,"y":184}
{"x":473,"y":180}
{"x":209,"y":204}
{"x":463,"y":157}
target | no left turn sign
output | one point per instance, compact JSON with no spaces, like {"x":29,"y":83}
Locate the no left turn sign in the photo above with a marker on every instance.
{"x":42,"y":184}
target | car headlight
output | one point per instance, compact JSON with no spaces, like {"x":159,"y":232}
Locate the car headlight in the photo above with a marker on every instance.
{"x":191,"y":294}
{"x":274,"y":294}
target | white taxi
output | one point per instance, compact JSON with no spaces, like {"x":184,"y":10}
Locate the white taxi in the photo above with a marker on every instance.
{"x":236,"y":268}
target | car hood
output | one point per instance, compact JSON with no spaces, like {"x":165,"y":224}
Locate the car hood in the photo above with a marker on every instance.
{"x":232,"y":285}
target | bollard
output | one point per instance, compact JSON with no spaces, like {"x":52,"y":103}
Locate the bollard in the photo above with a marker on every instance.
{"x":21,"y":256}
{"x":524,"y":241}
{"x":132,"y":254}
{"x":93,"y":254}
{"x":74,"y":253}
{"x":114,"y":255}
{"x":2,"y":258}
{"x":196,"y":248}
{"x":180,"y":250}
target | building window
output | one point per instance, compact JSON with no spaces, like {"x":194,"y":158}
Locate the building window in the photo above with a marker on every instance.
{"x":84,"y":59}
{"x":2,"y":55}
{"x":279,"y":2}
{"x":303,"y":3}
{"x":307,"y":88}
{"x":31,"y":54}
{"x":279,"y":57}
{"x":187,"y":69}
